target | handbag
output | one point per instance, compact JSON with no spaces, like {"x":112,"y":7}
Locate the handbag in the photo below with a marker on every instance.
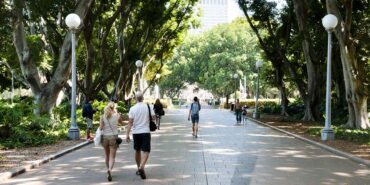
{"x":97,"y":139}
{"x":152,"y":125}
{"x":118,"y":139}
{"x":162,"y":112}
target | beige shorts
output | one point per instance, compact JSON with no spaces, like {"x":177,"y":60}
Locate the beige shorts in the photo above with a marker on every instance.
{"x":89,"y":123}
{"x":109,"y":141}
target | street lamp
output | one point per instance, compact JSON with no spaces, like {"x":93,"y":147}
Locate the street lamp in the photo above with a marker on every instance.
{"x":236,"y":78}
{"x":330,"y":21}
{"x":157,"y":76}
{"x":139,"y":64}
{"x":256,"y":114}
{"x":73,"y":22}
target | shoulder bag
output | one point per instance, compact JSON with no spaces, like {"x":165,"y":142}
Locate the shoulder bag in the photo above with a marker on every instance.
{"x":152,"y":125}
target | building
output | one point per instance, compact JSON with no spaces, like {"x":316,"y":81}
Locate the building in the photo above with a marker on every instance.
{"x":214,"y":12}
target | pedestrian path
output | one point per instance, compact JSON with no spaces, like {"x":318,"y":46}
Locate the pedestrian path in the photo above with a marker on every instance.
{"x":223,"y":154}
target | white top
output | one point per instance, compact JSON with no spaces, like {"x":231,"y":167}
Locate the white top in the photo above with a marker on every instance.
{"x":140,"y":114}
{"x":113,"y":121}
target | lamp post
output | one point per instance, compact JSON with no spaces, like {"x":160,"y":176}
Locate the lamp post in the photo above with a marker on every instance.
{"x":256,"y":114}
{"x":330,"y":21}
{"x":157,"y":89}
{"x":73,"y":21}
{"x":236,"y":78}
{"x":139,"y":64}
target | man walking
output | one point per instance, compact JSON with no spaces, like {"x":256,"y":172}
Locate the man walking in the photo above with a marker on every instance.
{"x":88,"y":114}
{"x":194,"y":115}
{"x":139,"y":116}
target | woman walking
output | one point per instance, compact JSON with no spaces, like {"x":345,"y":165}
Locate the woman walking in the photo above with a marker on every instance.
{"x":158,"y":110}
{"x":108,"y":126}
{"x":194,"y":115}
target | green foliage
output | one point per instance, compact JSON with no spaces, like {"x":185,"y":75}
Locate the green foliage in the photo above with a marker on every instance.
{"x":211,"y":58}
{"x":296,"y":109}
{"x":355,"y":135}
{"x":270,"y":108}
{"x":22,"y":128}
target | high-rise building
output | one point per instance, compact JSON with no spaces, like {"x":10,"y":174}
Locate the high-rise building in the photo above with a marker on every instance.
{"x":215,"y":12}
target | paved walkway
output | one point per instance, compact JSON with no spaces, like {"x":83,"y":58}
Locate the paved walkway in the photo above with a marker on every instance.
{"x":223,"y":154}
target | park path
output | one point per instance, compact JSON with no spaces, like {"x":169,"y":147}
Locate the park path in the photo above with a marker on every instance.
{"x":223,"y":154}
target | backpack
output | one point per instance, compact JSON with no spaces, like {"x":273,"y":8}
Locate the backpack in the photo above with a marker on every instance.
{"x":195,"y":108}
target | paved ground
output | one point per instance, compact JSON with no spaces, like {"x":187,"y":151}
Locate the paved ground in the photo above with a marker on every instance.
{"x":223,"y":154}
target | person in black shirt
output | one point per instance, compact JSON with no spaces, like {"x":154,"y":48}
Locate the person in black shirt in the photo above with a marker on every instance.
{"x":88,"y":114}
{"x":158,"y":110}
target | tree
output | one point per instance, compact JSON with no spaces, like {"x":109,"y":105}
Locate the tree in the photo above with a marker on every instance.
{"x":210,"y":59}
{"x":355,"y":76}
{"x":45,"y":90}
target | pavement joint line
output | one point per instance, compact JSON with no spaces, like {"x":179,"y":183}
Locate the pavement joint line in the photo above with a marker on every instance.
{"x":204,"y":162}
{"x":19,"y":170}
{"x":326,"y":147}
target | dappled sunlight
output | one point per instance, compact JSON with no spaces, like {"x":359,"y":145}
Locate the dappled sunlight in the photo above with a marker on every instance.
{"x":363,"y":172}
{"x":270,"y":135}
{"x":342,"y":174}
{"x":287,"y":169}
{"x":288,"y":152}
{"x":302,"y":156}
{"x":331,"y":156}
{"x":223,"y":151}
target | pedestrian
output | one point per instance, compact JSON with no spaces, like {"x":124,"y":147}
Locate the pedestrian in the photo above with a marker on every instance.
{"x":108,"y":125}
{"x":194,"y":115}
{"x":158,"y":110}
{"x":139,"y":117}
{"x":88,"y":115}
{"x":238,"y":112}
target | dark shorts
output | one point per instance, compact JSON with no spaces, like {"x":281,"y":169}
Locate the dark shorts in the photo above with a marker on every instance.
{"x":195,"y":118}
{"x":142,"y":142}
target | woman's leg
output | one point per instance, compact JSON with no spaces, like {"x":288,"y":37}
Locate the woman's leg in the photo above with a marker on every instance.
{"x":107,"y":154}
{"x":112,"y":157}
{"x":159,"y":121}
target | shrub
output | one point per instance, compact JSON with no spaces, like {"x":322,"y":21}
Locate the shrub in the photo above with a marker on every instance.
{"x":355,"y":135}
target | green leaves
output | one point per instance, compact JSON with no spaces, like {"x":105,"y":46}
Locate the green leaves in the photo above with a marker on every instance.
{"x":209,"y":59}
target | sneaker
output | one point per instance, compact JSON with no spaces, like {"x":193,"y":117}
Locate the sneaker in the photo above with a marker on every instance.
{"x":196,"y":136}
{"x":142,"y":174}
{"x":109,"y":177}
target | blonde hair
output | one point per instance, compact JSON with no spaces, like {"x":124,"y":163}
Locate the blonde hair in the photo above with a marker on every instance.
{"x":109,"y":109}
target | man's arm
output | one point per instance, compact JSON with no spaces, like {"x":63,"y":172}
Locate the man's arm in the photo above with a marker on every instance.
{"x":129,"y":126}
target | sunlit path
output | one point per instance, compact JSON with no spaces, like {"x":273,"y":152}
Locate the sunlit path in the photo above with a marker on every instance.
{"x":223,"y":154}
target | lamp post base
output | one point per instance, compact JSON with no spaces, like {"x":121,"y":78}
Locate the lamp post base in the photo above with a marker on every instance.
{"x":74,"y":133}
{"x":256,"y":115}
{"x":327,"y":135}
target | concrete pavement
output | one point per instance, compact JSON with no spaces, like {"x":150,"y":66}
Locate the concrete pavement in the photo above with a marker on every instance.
{"x":223,"y":154}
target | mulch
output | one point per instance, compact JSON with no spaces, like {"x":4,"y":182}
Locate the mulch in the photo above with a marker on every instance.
{"x":300,"y":128}
{"x":13,"y":158}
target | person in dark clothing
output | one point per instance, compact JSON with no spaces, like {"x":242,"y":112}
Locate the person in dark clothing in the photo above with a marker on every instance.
{"x":88,"y":114}
{"x":158,"y":110}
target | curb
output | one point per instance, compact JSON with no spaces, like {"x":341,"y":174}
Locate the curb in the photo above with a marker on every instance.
{"x":23,"y":169}
{"x":328,"y":148}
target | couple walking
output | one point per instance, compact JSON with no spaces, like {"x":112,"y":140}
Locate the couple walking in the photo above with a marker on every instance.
{"x":139,"y":117}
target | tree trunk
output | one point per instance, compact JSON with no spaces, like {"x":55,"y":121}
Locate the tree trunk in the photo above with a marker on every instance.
{"x":353,"y":70}
{"x":88,"y":34}
{"x":312,"y":63}
{"x":45,"y":93}
{"x":281,"y":86}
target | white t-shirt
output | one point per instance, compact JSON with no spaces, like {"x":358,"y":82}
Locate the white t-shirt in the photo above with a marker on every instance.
{"x":140,"y":114}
